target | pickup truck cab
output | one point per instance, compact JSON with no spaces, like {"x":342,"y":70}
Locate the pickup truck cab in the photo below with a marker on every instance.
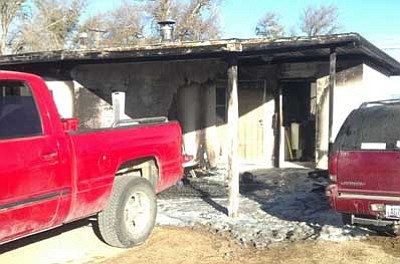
{"x":51,"y":174}
{"x":365,"y":166}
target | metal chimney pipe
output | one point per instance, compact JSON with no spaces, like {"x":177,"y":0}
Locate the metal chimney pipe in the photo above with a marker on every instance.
{"x":118,"y":103}
{"x":83,"y":39}
{"x":167,"y":30}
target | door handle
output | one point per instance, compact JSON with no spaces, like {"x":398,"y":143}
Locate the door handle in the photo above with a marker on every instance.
{"x":50,"y":156}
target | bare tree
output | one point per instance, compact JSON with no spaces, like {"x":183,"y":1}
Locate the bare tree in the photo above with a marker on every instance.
{"x":94,"y":27}
{"x":195,"y":19}
{"x":9,"y":10}
{"x":162,"y":10}
{"x":269,"y":26}
{"x":122,"y":26}
{"x":136,"y":21}
{"x":52,"y":25}
{"x":318,"y":21}
{"x":198,"y":20}
{"x":125,"y":24}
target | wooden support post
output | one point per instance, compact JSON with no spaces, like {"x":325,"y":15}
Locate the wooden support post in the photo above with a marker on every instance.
{"x":332,"y":84}
{"x":277,"y":126}
{"x":264,"y":122}
{"x":233,"y":118}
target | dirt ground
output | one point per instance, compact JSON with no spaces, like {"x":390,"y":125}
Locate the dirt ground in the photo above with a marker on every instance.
{"x":173,"y":245}
{"x":77,"y":244}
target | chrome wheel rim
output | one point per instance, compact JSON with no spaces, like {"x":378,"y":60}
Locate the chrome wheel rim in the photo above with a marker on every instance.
{"x":137,"y":213}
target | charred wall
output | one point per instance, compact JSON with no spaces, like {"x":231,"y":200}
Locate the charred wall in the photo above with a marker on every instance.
{"x":180,"y":90}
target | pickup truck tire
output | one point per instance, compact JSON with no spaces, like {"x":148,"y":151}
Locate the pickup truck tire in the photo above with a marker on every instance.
{"x":130,"y":214}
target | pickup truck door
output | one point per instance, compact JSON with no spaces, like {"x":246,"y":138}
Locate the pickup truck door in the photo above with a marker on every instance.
{"x":30,"y":189}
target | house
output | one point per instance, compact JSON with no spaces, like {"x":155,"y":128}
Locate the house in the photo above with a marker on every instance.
{"x":285,"y":111}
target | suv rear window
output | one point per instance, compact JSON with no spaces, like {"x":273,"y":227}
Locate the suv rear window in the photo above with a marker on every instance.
{"x":378,"y":124}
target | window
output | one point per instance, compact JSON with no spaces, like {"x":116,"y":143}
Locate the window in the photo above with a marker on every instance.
{"x":376,"y":124}
{"x":19,"y":116}
{"x":221,"y":104}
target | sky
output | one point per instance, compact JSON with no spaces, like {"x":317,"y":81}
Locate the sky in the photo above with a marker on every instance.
{"x":368,"y":17}
{"x":376,"y":20}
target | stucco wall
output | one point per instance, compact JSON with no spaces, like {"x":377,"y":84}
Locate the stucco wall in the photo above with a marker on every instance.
{"x":183,"y":91}
{"x":303,"y":70}
{"x":379,"y":86}
{"x":91,"y":109}
{"x":347,"y":96}
{"x":63,"y":93}
{"x":354,"y":86}
{"x":357,"y":85}
{"x":72,"y":99}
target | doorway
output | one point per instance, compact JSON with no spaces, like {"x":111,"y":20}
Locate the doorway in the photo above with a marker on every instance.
{"x":251,"y":121}
{"x":298,"y":120}
{"x":256,"y":110}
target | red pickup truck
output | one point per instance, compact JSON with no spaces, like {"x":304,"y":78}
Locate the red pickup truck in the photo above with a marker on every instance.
{"x":51,"y":174}
{"x":365,"y":167}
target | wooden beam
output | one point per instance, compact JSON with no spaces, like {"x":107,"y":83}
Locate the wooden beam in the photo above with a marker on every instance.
{"x":277,"y":125}
{"x":264,"y":122}
{"x":233,"y":119}
{"x":332,"y":84}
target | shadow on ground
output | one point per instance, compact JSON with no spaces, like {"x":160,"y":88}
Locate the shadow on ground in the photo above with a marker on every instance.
{"x":48,"y":234}
{"x":289,"y":194}
{"x":292,"y":195}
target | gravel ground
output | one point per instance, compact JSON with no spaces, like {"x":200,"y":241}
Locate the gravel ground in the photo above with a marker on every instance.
{"x":276,"y":206}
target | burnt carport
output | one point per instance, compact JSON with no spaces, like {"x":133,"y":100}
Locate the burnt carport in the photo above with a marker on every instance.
{"x":332,"y":48}
{"x":334,"y":51}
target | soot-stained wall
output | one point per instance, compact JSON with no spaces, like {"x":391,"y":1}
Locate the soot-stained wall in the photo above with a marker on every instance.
{"x":151,"y":88}
{"x":180,"y":90}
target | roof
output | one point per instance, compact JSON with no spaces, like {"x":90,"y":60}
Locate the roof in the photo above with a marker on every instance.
{"x":294,"y":49}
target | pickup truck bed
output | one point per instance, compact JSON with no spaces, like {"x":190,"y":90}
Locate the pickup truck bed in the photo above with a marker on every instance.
{"x":106,"y":152}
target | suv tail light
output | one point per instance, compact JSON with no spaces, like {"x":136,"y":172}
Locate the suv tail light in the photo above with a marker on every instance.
{"x":187,"y":158}
{"x":188,"y":161}
{"x":333,"y":167}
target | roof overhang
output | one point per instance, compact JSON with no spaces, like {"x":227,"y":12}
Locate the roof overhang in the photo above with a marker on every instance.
{"x":350,"y":46}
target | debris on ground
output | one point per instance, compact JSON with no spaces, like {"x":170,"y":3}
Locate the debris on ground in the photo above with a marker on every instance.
{"x":276,"y":206}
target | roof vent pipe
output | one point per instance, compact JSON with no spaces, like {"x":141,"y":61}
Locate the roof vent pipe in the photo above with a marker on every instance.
{"x":167,"y":30}
{"x":83,"y":40}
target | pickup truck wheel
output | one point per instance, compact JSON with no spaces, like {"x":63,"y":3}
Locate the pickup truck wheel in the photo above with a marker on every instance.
{"x":130,"y":214}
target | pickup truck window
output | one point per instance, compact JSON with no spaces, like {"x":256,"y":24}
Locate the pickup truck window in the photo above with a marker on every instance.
{"x":19,"y":116}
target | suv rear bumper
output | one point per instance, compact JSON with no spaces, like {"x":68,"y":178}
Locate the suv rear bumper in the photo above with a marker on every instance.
{"x":358,"y":207}
{"x":371,"y":222}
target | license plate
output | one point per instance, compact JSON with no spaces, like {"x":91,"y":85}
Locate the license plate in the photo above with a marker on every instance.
{"x":393,"y":211}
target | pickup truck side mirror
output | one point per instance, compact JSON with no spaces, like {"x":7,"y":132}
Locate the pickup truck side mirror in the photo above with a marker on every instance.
{"x":69,"y":124}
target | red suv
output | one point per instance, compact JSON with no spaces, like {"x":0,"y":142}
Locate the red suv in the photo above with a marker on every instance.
{"x":364,"y":166}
